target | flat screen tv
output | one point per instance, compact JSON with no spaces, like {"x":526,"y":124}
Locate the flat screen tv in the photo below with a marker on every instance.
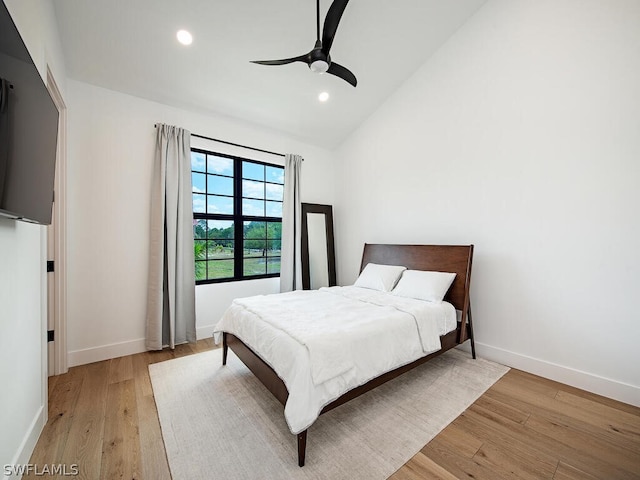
{"x":28,"y":131}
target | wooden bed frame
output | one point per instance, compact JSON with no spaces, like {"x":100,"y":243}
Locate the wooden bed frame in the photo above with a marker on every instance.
{"x":443,"y":258}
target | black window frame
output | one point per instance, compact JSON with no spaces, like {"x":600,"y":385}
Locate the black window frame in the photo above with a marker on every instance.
{"x":238,"y":218}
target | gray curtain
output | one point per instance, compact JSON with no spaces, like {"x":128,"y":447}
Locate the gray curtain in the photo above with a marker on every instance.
{"x":171,"y":317}
{"x":291,"y":256}
{"x":4,"y":132}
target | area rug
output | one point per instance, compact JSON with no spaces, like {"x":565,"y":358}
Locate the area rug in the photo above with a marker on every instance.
{"x":222,"y":423}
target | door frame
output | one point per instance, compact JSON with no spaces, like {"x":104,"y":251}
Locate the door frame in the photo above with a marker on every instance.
{"x":58,"y":243}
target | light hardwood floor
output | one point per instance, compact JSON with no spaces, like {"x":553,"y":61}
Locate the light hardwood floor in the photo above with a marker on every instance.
{"x":103,"y":418}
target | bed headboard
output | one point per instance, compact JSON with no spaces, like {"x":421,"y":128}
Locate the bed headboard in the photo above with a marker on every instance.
{"x":440,"y":258}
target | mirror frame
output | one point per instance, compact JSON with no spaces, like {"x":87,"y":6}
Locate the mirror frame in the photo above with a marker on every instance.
{"x":327,"y":211}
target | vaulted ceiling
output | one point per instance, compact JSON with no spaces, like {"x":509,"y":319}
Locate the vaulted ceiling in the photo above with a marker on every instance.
{"x":130,"y":46}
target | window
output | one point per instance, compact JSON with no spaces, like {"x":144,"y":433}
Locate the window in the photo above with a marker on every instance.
{"x":237,"y":217}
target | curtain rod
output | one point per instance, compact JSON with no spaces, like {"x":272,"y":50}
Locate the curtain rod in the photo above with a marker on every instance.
{"x":238,"y":145}
{"x":234,"y":144}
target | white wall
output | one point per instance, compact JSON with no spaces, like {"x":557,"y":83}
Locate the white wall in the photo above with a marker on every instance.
{"x":521,"y":136}
{"x":23,"y":365}
{"x":22,"y":335}
{"x":111,"y":148}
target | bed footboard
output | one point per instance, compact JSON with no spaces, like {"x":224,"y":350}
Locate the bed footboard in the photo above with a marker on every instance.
{"x":260,"y":369}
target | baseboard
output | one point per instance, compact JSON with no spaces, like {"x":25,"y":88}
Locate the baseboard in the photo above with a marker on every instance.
{"x":105,"y":352}
{"x":115,"y":350}
{"x":23,"y":455}
{"x":204,"y":332}
{"x":606,"y":387}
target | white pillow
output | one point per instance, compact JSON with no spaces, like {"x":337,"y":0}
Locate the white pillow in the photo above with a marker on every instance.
{"x":429,"y":286}
{"x":379,"y":277}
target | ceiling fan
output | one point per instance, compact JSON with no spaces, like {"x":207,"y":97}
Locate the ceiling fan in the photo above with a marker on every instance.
{"x":318,"y":59}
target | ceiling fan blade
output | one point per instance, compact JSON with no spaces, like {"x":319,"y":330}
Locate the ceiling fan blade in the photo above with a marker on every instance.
{"x":285,"y":61}
{"x":331,"y":24}
{"x":343,"y":73}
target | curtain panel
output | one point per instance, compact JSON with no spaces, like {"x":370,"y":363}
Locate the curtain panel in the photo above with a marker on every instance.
{"x":171,"y":318}
{"x":291,"y":254}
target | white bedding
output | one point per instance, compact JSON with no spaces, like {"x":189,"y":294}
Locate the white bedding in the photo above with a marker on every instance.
{"x":324,"y":343}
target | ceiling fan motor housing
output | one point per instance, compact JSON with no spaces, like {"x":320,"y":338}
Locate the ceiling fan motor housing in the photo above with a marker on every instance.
{"x":318,"y":61}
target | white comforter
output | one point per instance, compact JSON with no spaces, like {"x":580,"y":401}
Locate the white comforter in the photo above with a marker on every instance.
{"x":324,"y":343}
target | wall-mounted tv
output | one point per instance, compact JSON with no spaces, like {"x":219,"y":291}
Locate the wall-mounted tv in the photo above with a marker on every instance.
{"x":28,"y":131}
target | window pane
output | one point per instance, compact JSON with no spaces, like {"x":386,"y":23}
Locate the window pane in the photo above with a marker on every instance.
{"x":254,"y":266}
{"x":275,"y":192}
{"x":220,"y":229}
{"x":219,"y":185}
{"x":217,"y":204}
{"x":274,"y":230}
{"x":199,"y":249}
{"x":273,"y":247}
{"x":254,"y":208}
{"x":226,"y":245}
{"x":255,"y":230}
{"x":255,"y":248}
{"x":219,"y":269}
{"x":252,"y":189}
{"x":199,"y":203}
{"x":252,"y":171}
{"x":275,"y":175}
{"x":197,"y":161}
{"x":219,"y":250}
{"x":274,"y":209}
{"x":273,"y":265}
{"x":199,"y":229}
{"x":198,"y":184}
{"x":219,"y":165}
{"x":201,"y":270}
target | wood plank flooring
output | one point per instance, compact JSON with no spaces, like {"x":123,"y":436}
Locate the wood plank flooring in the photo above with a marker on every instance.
{"x":103,"y":418}
{"x":528,"y":427}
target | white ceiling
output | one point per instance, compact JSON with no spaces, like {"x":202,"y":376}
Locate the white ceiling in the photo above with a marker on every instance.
{"x":130,"y":46}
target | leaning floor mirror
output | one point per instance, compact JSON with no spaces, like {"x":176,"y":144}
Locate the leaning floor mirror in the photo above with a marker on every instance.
{"x":318,"y":253}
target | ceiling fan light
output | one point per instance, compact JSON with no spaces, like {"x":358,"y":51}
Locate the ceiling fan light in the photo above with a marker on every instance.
{"x":184,"y":37}
{"x":319,"y":66}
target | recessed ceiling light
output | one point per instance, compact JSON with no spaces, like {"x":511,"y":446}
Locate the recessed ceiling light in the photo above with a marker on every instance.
{"x":323,"y":97}
{"x":184,"y":37}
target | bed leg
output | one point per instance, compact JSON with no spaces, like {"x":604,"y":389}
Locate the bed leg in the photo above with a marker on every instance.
{"x":302,"y":447}
{"x":225,"y":348}
{"x":473,"y":344}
